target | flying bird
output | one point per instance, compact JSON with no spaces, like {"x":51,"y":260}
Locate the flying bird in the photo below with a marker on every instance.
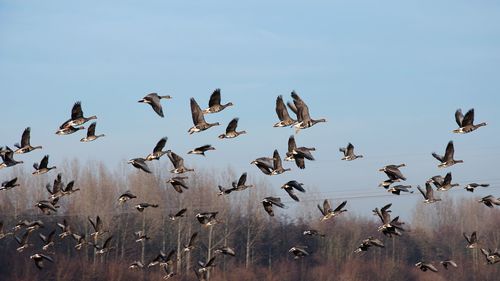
{"x":91,"y":136}
{"x":142,"y":206}
{"x":290,"y":186}
{"x":6,"y":185}
{"x":298,"y":154}
{"x":178,"y":183}
{"x":77,"y":117}
{"x":298,"y":252}
{"x":25,"y":145}
{"x":282,"y":112}
{"x":157,"y":150}
{"x":472,"y":186}
{"x":490,"y":200}
{"x":178,"y":163}
{"x":214,"y":104}
{"x":304,"y":120}
{"x":472,"y":241}
{"x":428,"y":194}
{"x":447,"y":160}
{"x":140,"y":164}
{"x":39,"y":258}
{"x":42,"y":168}
{"x":201,"y":150}
{"x":349,"y":153}
{"x":198,"y":119}
{"x":327,"y":211}
{"x":124,"y":197}
{"x":153,"y":99}
{"x":268,"y":203}
{"x":424,"y":266}
{"x":8,"y":158}
{"x":231,"y":130}
{"x":466,"y":123}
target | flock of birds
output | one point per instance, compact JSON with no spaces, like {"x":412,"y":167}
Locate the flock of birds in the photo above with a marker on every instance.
{"x":272,"y":165}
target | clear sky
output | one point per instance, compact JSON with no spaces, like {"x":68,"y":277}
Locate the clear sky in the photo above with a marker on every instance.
{"x":388,"y":76}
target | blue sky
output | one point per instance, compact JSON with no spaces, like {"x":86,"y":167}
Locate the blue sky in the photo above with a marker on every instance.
{"x":387,"y":75}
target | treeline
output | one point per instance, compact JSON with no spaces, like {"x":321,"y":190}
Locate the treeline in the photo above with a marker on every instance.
{"x":261,"y":242}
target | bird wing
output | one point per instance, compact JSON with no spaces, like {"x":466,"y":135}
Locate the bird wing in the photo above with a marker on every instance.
{"x":98,"y":223}
{"x":204,"y":147}
{"x":76,"y":111}
{"x":176,"y":160}
{"x":181,"y":212}
{"x":292,"y":195}
{"x":421,"y":191}
{"x":297,"y":186}
{"x":196,"y":113}
{"x":304,"y":152}
{"x":44,"y":163}
{"x":106,"y":243}
{"x":450,"y":150}
{"x":438,"y":157}
{"x":242,"y":179}
{"x":276,"y":160}
{"x":469,"y":118}
{"x":160,"y":144}
{"x":291,"y":144}
{"x":214,"y":98}
{"x":91,"y":129}
{"x":447,"y":179}
{"x":326,"y":206}
{"x":303,"y":109}
{"x":459,"y":117}
{"x":473,"y":237}
{"x":25,"y":139}
{"x":281,"y":110}
{"x":193,"y":237}
{"x":268,"y":206}
{"x":231,"y":127}
{"x":266,"y":168}
{"x":340,"y":207}
{"x":394,"y":172}
{"x":142,"y":165}
{"x":210,"y":262}
{"x":350,"y":149}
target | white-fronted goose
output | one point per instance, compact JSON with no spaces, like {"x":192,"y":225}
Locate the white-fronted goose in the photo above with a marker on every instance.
{"x":65,"y":229}
{"x":190,"y":245}
{"x":225,"y":250}
{"x":225,"y":191}
{"x":349,"y":153}
{"x":265,"y":164}
{"x":214,"y":104}
{"x":298,"y":154}
{"x":312,"y":232}
{"x":25,"y":146}
{"x":290,"y":186}
{"x":68,"y":130}
{"x":91,"y":136}
{"x":47,"y":206}
{"x":106,"y":247}
{"x":490,"y":200}
{"x":231,"y":130}
{"x":124,"y":197}
{"x":162,"y":259}
{"x":277,"y":164}
{"x":42,"y":168}
{"x":207,"y":218}
{"x":327,"y":211}
{"x":6,"y":185}
{"x":69,"y":189}
{"x":367,"y":243}
{"x":472,"y":241}
{"x":97,"y":227}
{"x":30,"y":225}
{"x":80,"y":240}
{"x":142,"y":206}
{"x":136,"y":265}
{"x":205,"y":266}
{"x":240,"y":184}
{"x":169,"y":271}
{"x":178,"y":163}
{"x":38,"y":259}
{"x":397,"y":189}
{"x":472,"y":186}
{"x":141,"y":236}
{"x":445,"y":184}
{"x":48,"y":240}
{"x":447,"y":263}
{"x":179,"y":214}
{"x":201,"y":150}
{"x":466,"y":124}
{"x":198,"y":119}
{"x":268,"y":203}
{"x":77,"y":117}
{"x":140,"y":164}
{"x":8,"y":158}
{"x":428,"y":194}
{"x":424,"y":266}
{"x":157,"y":150}
{"x":23,"y":241}
{"x":153,"y":99}
{"x":447,"y":160}
{"x":282,"y":112}
{"x":492,"y":257}
{"x":178,"y":183}
{"x":304,"y":120}
{"x":298,"y":252}
{"x":389,"y":227}
{"x":393,"y":172}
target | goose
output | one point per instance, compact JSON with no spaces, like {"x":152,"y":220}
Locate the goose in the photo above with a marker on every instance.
{"x":80,"y":240}
{"x":4,"y":234}
{"x":264,"y":164}
{"x":169,"y":272}
{"x":389,"y":227}
{"x":298,"y":154}
{"x":424,"y":266}
{"x":282,"y":112}
{"x":65,"y":229}
{"x":190,"y":246}
{"x":178,"y":183}
{"x":8,"y":158}
{"x":290,"y":186}
{"x":447,"y":160}
{"x":447,"y":263}
{"x":68,"y":130}
{"x":23,"y":241}
{"x":179,"y":214}
{"x":47,"y":240}
{"x":205,"y":266}
{"x":393,"y":172}
{"x":142,"y":206}
{"x":140,"y":164}
{"x":198,"y":119}
{"x":492,"y":257}
{"x":277,"y":165}
{"x":153,"y":99}
{"x":157,"y":151}
{"x":57,"y":187}
{"x":201,"y":150}
{"x":30,"y":225}
{"x":327,"y":211}
{"x":141,"y":236}
{"x":91,"y":136}
{"x":446,"y":183}
{"x":298,"y":252}
{"x":97,"y":227}
{"x":69,"y":188}
{"x":268,"y":203}
{"x":472,"y":186}
{"x":162,"y":259}
{"x":225,"y":250}
{"x":472,"y":241}
{"x":178,"y":163}
{"x":387,"y":183}
{"x":42,"y":168}
{"x":201,"y":275}
{"x":428,"y":194}
{"x":304,"y":120}
{"x":367,"y":243}
{"x":47,"y":206}
{"x":214,"y":104}
{"x":6,"y":185}
{"x":207,"y":218}
{"x":397,"y":189}
{"x":225,"y":191}
{"x":25,"y":146}
{"x":466,"y":123}
{"x":349,"y":153}
{"x":312,"y":232}
{"x":490,"y":200}
{"x":231,"y":130}
{"x":240,"y":184}
{"x":38,"y":259}
{"x":105,"y":247}
{"x":124,"y":197}
{"x":136,"y":265}
{"x":77,"y":117}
